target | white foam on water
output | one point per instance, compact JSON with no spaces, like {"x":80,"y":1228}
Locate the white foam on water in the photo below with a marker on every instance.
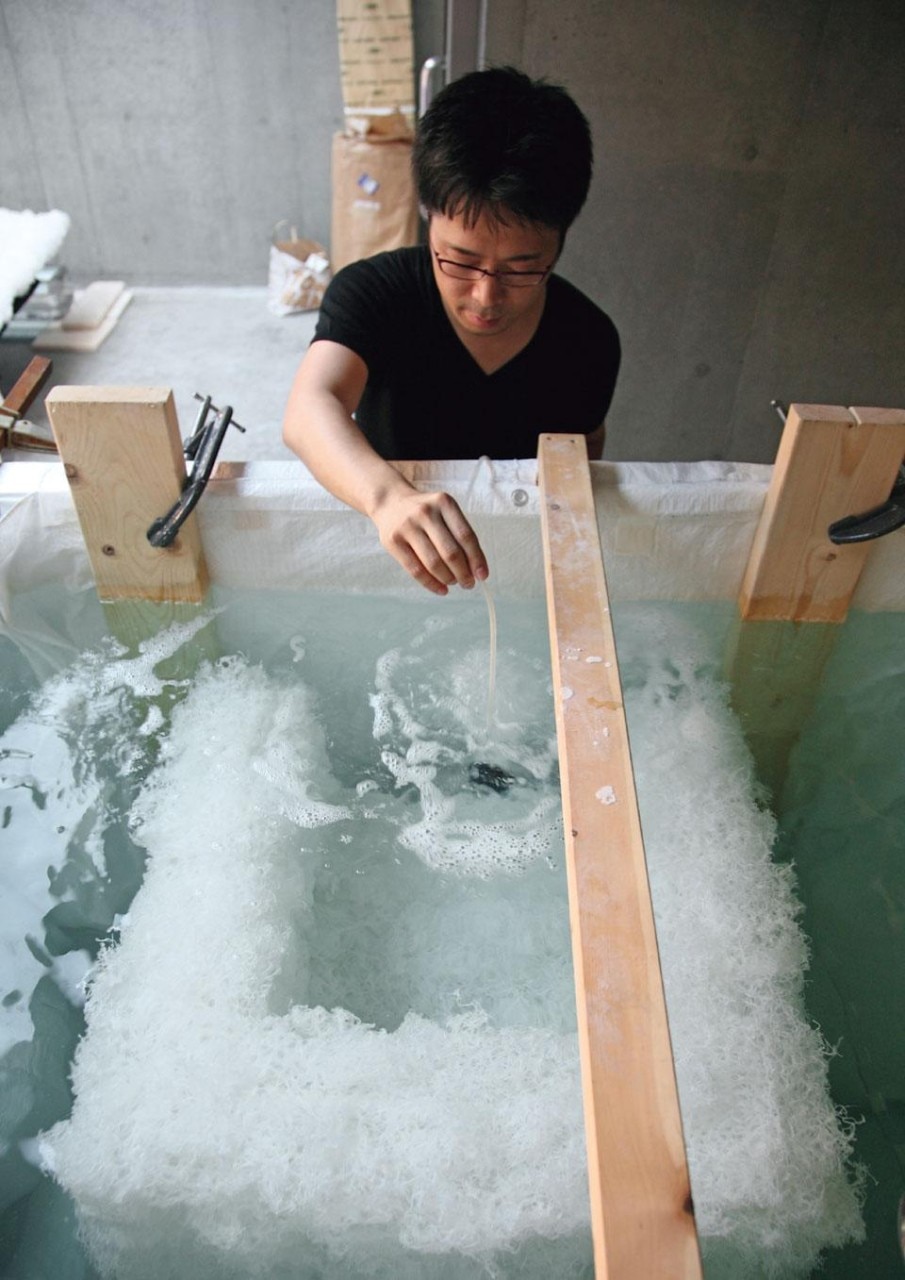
{"x":767,"y":1150}
{"x":430,"y":720}
{"x":202,"y":1111}
{"x":219,"y":1110}
{"x":57,"y":803}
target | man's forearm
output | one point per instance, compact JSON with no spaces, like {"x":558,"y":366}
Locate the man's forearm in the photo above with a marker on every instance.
{"x":427,"y":533}
{"x":325,"y":437}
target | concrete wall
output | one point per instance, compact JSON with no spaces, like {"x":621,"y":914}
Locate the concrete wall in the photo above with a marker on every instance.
{"x":745,"y":227}
{"x":176,"y":133}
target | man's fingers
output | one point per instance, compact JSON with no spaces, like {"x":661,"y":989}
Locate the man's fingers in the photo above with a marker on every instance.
{"x":403,"y":551}
{"x":435,"y":548}
{"x":433,"y":541}
{"x":465,"y":538}
{"x":444,"y":555}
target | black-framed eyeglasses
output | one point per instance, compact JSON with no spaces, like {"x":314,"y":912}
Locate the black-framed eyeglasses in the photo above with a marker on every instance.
{"x":509,"y":279}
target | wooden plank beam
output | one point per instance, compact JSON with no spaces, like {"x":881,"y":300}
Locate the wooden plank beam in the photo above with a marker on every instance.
{"x":123,"y":456}
{"x":832,"y":462}
{"x":641,"y":1212}
{"x":21,"y":396}
{"x":20,"y":435}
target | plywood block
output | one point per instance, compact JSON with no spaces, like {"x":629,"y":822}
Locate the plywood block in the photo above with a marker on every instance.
{"x":641,"y":1212}
{"x":123,"y":456}
{"x":832,"y":462}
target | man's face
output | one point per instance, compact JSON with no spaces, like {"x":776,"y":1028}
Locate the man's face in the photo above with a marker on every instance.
{"x":487,"y":306}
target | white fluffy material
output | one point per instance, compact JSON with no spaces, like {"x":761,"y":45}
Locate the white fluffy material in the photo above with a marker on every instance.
{"x":201,"y":1107}
{"x":28,"y":241}
{"x":767,"y":1150}
{"x":216,"y":1111}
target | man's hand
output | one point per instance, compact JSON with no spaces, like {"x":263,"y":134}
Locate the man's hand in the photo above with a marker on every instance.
{"x":430,"y":537}
{"x":426,"y":532}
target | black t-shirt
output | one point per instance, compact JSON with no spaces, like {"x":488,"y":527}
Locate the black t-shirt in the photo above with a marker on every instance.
{"x":426,"y":397}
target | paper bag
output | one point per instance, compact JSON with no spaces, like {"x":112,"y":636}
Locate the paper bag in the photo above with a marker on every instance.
{"x":298,"y":274}
{"x":374,"y":204}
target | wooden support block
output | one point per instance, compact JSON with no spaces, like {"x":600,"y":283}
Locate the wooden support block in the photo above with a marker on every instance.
{"x":123,"y":457}
{"x":775,"y":670}
{"x":831,"y":463}
{"x":641,"y":1212}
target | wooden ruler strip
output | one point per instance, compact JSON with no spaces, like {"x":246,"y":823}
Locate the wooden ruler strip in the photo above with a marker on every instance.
{"x":641,"y":1211}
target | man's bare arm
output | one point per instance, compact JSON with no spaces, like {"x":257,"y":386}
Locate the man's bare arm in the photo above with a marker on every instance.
{"x":426,"y":532}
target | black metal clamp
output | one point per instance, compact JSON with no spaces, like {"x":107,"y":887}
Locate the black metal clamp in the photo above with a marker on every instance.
{"x":876,"y":523}
{"x":201,"y":448}
{"x":867,"y":525}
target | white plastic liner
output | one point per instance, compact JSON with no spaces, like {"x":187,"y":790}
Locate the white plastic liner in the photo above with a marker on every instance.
{"x":670,"y":531}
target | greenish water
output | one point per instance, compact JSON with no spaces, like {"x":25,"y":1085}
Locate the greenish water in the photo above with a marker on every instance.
{"x":842,"y":814}
{"x":77,"y":751}
{"x":842,"y":823}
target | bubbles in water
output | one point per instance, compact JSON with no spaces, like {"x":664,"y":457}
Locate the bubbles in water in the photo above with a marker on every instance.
{"x":347,"y":974}
{"x":214,"y":1077}
{"x":430,"y":719}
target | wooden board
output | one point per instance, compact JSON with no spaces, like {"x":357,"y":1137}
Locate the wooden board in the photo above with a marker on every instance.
{"x":24,"y":435}
{"x":26,"y":388}
{"x":91,"y":304}
{"x":123,"y":457}
{"x":57,"y":337}
{"x":641,"y":1211}
{"x":832,"y":462}
{"x":774,"y":670}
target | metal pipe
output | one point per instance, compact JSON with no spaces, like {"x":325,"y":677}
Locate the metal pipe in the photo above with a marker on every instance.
{"x":426,"y":82}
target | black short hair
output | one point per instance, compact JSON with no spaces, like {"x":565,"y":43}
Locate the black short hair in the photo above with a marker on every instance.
{"x":497,"y":143}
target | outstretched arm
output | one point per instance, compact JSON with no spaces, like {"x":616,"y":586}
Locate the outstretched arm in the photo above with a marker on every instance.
{"x":426,"y":532}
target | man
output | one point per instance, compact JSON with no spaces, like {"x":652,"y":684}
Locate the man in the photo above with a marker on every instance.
{"x":468,"y":345}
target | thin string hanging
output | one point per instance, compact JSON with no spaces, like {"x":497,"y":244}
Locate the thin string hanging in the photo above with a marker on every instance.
{"x":491,"y":607}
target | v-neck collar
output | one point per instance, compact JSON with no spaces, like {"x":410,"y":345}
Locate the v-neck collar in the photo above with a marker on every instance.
{"x":454,"y":337}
